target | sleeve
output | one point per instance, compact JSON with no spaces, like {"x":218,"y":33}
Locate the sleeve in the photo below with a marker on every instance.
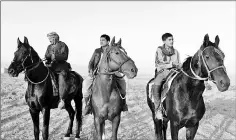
{"x":177,"y":58}
{"x":159,"y":63}
{"x":62,"y":53}
{"x":47,"y":54}
{"x":91,"y":62}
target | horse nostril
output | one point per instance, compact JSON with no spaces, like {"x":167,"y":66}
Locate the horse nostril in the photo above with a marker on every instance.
{"x":132,"y":70}
{"x":222,"y":83}
{"x":11,"y":71}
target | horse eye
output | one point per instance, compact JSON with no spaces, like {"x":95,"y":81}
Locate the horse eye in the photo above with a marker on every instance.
{"x":207,"y":57}
{"x":117,"y":53}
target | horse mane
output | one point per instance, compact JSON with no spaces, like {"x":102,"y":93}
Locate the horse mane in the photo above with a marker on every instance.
{"x":34,"y":53}
{"x":34,"y":56}
{"x":206,"y":45}
{"x":186,"y":63}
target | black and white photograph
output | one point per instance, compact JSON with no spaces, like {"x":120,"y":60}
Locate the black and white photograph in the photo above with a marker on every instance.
{"x":118,"y":70}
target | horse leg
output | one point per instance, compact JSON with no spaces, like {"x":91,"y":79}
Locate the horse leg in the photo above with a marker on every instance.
{"x":71,"y":113}
{"x":98,"y":127}
{"x":158,"y":128}
{"x":165,"y":125}
{"x":78,"y":110}
{"x":103,"y":130}
{"x":115,"y":126}
{"x":46,"y":118}
{"x":191,"y":131}
{"x":174,"y":130}
{"x":35,"y":117}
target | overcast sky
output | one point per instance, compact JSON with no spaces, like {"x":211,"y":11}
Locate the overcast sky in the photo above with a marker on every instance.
{"x":140,"y":24}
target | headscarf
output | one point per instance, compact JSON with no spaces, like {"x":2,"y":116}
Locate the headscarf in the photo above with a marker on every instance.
{"x":166,"y":52}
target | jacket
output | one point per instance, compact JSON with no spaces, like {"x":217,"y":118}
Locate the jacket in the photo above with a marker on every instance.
{"x":160,"y":64}
{"x":58,"y":53}
{"x":93,"y":63}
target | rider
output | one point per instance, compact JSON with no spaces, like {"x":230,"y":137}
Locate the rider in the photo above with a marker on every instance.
{"x":92,"y":69}
{"x":166,"y":58}
{"x":56,"y":56}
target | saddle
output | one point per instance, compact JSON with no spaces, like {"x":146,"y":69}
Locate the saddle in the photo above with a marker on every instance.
{"x":167,"y":83}
{"x":165,"y":86}
{"x":70,"y":79}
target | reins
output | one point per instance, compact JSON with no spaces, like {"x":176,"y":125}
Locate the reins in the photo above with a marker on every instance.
{"x":120,"y":65}
{"x":35,"y":65}
{"x":196,"y":77}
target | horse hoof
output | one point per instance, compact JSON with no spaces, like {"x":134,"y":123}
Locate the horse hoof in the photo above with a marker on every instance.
{"x":104,"y":137}
{"x":66,"y":138}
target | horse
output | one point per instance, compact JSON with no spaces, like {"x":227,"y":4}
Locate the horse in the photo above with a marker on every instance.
{"x":184,"y":105}
{"x":39,"y":94}
{"x":106,"y":99}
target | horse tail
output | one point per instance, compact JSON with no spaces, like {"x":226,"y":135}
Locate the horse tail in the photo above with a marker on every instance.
{"x":147,"y":87}
{"x":78,"y":100}
{"x":149,"y":101}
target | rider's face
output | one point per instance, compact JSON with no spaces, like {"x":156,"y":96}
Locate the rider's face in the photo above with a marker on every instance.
{"x":169,"y":41}
{"x":103,"y":42}
{"x":52,"y":40}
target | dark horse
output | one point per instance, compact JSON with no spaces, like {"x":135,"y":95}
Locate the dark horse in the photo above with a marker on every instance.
{"x":106,"y":98}
{"x":184,"y":104}
{"x":39,"y":94}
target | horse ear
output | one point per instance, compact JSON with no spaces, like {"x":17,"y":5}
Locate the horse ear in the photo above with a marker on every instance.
{"x":119,"y":42}
{"x":18,"y":42}
{"x":26,"y":40}
{"x":217,"y":41}
{"x":206,"y":40}
{"x":113,"y":41}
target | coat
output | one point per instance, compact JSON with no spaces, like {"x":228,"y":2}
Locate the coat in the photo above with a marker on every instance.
{"x":58,"y":53}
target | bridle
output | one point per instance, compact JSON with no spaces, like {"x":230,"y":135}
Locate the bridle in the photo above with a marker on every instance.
{"x":33,"y":65}
{"x":207,"y":69}
{"x":119,"y":64}
{"x":27,"y":56}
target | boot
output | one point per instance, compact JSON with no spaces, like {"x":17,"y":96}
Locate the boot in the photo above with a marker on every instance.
{"x":55,"y":85}
{"x":62,"y":92}
{"x":124,"y":106}
{"x":157,"y":101}
{"x":87,"y":109}
{"x":61,"y":104}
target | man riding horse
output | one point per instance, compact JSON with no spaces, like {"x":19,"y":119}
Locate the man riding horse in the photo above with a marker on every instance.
{"x":56,"y":57}
{"x":166,"y":58}
{"x":93,"y":68}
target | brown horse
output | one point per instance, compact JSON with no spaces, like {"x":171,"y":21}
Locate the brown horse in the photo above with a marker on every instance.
{"x":184,"y":105}
{"x":106,"y":97}
{"x":39,"y":94}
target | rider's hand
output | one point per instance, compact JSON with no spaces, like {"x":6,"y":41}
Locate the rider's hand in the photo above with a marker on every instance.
{"x":176,"y":65}
{"x":53,"y":57}
{"x":47,"y":62}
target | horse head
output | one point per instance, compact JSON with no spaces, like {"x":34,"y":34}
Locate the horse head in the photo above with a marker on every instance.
{"x":24,"y":58}
{"x":211,"y":59}
{"x":118,"y":60}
